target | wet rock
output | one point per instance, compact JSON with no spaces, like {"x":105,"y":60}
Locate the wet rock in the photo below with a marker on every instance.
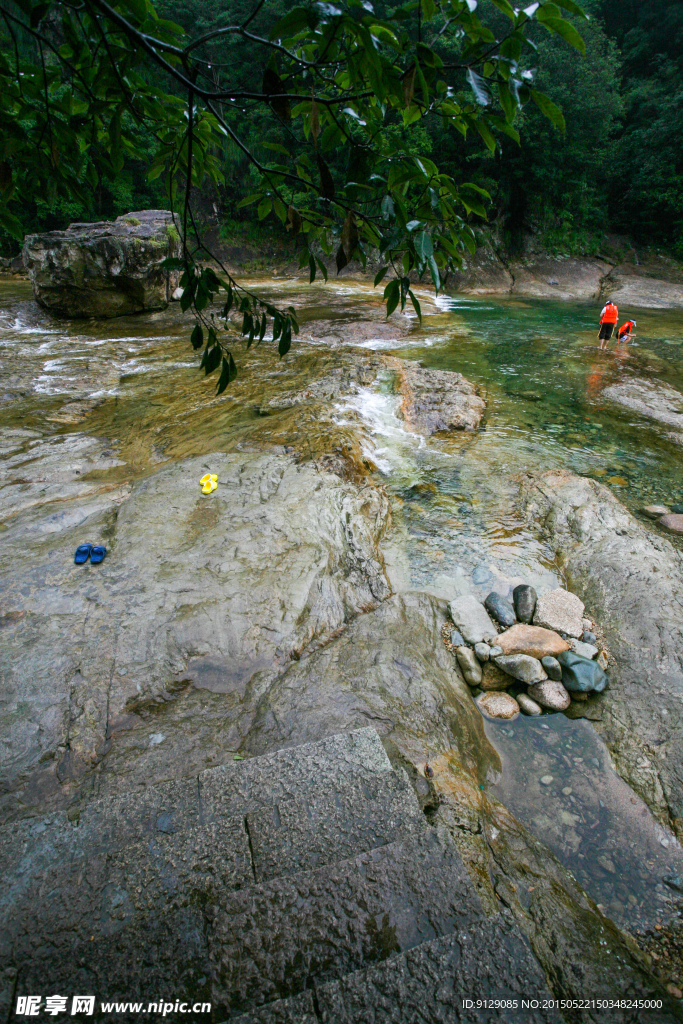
{"x":471,"y":619}
{"x":584,"y":650}
{"x":522,"y":667}
{"x":500,"y":608}
{"x":673,"y":522}
{"x":495,"y":651}
{"x":471,"y":669}
{"x":482,"y":651}
{"x":580,"y":673}
{"x":561,"y":611}
{"x":576,"y":695}
{"x":493,"y":678}
{"x":437,"y":400}
{"x":528,"y":706}
{"x":553,"y":668}
{"x":111,"y":268}
{"x":524,"y":599}
{"x":588,"y":637}
{"x":564,"y":278}
{"x":532,"y":640}
{"x":498,"y":705}
{"x":655,"y":511}
{"x":551,"y":695}
{"x":457,"y":639}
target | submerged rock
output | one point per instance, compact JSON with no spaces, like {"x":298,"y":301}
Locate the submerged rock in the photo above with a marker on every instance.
{"x":532,"y":640}
{"x":471,"y":619}
{"x":561,"y":611}
{"x":551,"y":695}
{"x":501,"y":609}
{"x":522,"y":667}
{"x":471,"y":669}
{"x":581,"y":673}
{"x":106,"y":269}
{"x":524,"y":599}
{"x":673,"y":521}
{"x":498,"y":705}
{"x":437,"y":400}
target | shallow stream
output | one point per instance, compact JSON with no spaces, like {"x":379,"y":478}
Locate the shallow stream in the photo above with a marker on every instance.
{"x":89,"y":407}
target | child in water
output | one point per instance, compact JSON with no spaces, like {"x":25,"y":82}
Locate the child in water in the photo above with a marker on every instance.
{"x":625,"y":332}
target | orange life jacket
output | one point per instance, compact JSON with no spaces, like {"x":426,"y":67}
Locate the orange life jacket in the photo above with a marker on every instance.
{"x":626,"y":328}
{"x":611,"y":314}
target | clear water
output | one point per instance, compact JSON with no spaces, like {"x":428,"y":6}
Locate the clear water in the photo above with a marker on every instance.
{"x":87,"y":407}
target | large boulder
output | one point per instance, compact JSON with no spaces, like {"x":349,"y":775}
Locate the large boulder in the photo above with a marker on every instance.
{"x":106,"y":269}
{"x":437,"y":400}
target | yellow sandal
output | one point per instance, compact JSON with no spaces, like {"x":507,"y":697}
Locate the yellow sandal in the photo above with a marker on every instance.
{"x":208,"y":483}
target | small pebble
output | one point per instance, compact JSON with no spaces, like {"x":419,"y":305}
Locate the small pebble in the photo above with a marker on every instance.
{"x":567,"y":790}
{"x":495,"y":651}
{"x":482,"y":651}
{"x":546,"y":780}
{"x":588,"y":637}
{"x":457,"y":638}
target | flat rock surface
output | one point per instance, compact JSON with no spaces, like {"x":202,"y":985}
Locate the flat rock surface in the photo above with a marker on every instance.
{"x":632,"y":580}
{"x":546,"y":277}
{"x":561,"y":611}
{"x":672,"y":521}
{"x":533,"y":640}
{"x":437,"y":400}
{"x":632,"y":289}
{"x":655,"y":401}
{"x":199,"y":604}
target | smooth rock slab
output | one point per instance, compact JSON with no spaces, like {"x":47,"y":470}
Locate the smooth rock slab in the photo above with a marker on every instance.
{"x":529,"y":706}
{"x":471,"y":619}
{"x":437,"y":400}
{"x":535,"y":641}
{"x":581,"y":674}
{"x":498,"y":705}
{"x":522,"y":667}
{"x":673,"y":521}
{"x":550,"y":695}
{"x":560,"y":610}
{"x":524,"y":599}
{"x":471,"y":669}
{"x":501,"y":609}
{"x":553,"y":668}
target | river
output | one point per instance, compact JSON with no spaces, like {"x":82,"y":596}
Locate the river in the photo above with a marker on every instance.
{"x":91,"y":407}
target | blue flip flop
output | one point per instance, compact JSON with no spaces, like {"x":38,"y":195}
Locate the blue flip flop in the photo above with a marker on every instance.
{"x":83,"y":552}
{"x":97,"y":554}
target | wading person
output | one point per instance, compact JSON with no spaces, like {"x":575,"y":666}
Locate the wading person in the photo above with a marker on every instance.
{"x":608,"y":321}
{"x":625,"y":332}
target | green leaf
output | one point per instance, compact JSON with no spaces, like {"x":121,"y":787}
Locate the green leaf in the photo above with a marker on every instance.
{"x":311,"y":267}
{"x":322,"y":268}
{"x":434,"y":270}
{"x":480,"y":88}
{"x":573,"y":8}
{"x":285,"y":342}
{"x":416,"y":304}
{"x":380,"y":275}
{"x":264,"y":208}
{"x":228,"y":374}
{"x":392,"y":294}
{"x":565,"y":29}
{"x":197,"y":337}
{"x":293,"y":23}
{"x":549,"y":109}
{"x":423,"y":246}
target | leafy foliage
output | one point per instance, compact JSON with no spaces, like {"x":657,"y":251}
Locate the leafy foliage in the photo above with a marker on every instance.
{"x":341,"y":94}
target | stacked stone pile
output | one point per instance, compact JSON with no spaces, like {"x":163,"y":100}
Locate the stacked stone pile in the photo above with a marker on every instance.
{"x":541,"y":649}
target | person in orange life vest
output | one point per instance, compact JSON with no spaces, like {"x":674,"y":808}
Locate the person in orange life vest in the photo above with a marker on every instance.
{"x":608,"y":321}
{"x":626,"y":330}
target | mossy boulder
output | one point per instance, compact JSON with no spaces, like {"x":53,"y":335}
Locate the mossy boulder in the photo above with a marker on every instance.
{"x":106,"y":269}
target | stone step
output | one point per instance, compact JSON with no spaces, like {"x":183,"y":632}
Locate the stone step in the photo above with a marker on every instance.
{"x":272,"y":940}
{"x":130,"y":919}
{"x":303,"y":833}
{"x":486,"y":960}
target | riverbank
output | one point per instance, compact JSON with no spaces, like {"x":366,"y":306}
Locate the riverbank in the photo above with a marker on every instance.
{"x":308,"y":594}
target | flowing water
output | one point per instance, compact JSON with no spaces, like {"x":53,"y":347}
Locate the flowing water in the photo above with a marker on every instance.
{"x":88,"y":407}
